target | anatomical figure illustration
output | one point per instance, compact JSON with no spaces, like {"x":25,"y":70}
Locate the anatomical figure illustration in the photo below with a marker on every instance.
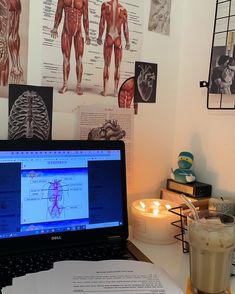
{"x":29,"y":118}
{"x":110,"y":130}
{"x":10,"y":11}
{"x":75,"y":11}
{"x":114,"y":17}
{"x":55,"y":196}
{"x":126,"y":94}
{"x":146,"y":75}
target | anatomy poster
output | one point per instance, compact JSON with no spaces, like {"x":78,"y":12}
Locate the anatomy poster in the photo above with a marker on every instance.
{"x":30,"y":112}
{"x":108,"y":123}
{"x":159,"y":18}
{"x":145,"y":82}
{"x":14,"y":24}
{"x":79,"y":56}
{"x":126,"y":95}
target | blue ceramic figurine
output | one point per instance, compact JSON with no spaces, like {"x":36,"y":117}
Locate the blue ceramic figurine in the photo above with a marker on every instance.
{"x":184,"y":174}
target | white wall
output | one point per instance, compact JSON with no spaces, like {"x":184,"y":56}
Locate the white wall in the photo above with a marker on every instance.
{"x":154,"y":125}
{"x":209,"y":134}
{"x":179,"y":120}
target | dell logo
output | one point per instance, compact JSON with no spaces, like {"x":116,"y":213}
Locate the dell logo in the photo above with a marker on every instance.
{"x":53,"y":238}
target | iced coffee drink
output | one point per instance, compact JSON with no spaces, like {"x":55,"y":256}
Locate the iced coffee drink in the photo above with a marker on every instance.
{"x":212,"y":241}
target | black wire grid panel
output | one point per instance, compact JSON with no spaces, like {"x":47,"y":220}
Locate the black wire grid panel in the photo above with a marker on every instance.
{"x":181,"y":224}
{"x":221,"y":79}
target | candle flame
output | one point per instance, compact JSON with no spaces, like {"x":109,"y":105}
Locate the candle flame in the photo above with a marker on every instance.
{"x":142,"y":204}
{"x":156,"y":211}
{"x":156,"y":203}
{"x":168,"y":206}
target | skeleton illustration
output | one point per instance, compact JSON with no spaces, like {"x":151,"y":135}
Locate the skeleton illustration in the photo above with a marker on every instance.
{"x":145,"y":82}
{"x":110,"y":130}
{"x":29,"y":118}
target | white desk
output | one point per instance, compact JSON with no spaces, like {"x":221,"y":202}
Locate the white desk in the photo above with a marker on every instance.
{"x":172,"y":259}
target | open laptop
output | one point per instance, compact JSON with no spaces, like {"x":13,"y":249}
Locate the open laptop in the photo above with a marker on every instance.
{"x":61,"y":195}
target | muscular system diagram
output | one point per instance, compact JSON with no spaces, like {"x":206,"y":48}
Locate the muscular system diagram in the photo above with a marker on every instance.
{"x":74,"y":12}
{"x":10,"y":11}
{"x":126,"y":95}
{"x":114,"y":17}
{"x":29,"y":118}
{"x":110,"y":130}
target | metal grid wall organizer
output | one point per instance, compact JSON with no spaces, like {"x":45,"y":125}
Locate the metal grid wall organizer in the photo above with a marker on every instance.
{"x":182,"y":224}
{"x":221,"y":80}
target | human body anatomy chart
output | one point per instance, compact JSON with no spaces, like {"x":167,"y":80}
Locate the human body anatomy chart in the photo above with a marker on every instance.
{"x":13,"y":43}
{"x":60,"y":196}
{"x":111,"y":32}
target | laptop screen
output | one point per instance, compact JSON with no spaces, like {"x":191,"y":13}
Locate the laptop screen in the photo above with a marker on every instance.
{"x":59,"y":187}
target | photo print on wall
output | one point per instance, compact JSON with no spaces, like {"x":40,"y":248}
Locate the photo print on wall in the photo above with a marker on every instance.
{"x":159,"y":18}
{"x":222,"y":69}
{"x":14,"y":24}
{"x":126,"y":95}
{"x":145,"y":82}
{"x":105,"y":63}
{"x":30,"y":112}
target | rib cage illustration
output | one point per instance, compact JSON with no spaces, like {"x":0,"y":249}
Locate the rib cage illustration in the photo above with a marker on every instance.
{"x":29,"y":118}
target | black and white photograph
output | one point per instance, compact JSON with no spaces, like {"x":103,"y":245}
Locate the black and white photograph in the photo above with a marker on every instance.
{"x":145,"y":82}
{"x":222,"y":72}
{"x":159,"y":17}
{"x":30,"y":112}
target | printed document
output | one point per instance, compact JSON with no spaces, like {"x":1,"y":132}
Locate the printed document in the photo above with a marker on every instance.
{"x":107,"y":277}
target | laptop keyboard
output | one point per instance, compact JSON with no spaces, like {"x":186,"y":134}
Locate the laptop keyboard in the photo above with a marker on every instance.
{"x":15,"y":266}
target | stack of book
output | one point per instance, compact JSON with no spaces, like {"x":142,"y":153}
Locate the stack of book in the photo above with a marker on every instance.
{"x":197,"y":192}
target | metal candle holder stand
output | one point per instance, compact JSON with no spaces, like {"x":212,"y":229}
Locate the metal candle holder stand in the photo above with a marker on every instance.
{"x":181,"y":224}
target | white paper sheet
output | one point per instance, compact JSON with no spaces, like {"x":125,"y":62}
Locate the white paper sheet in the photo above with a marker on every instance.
{"x":106,"y":277}
{"x":113,"y":276}
{"x":98,"y":122}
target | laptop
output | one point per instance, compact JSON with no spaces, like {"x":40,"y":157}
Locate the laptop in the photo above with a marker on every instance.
{"x":61,"y":196}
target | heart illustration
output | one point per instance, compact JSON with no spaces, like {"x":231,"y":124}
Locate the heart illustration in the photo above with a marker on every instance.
{"x":145,"y":82}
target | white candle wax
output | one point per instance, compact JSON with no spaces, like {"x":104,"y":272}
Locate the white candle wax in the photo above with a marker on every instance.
{"x":151,"y":221}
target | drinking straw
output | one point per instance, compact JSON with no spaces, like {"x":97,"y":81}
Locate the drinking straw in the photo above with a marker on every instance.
{"x":191,"y":207}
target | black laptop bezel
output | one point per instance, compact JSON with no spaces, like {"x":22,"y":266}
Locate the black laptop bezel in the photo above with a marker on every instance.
{"x":63,"y":239}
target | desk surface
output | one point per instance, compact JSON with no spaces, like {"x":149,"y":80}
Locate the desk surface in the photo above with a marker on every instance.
{"x":172,"y":259}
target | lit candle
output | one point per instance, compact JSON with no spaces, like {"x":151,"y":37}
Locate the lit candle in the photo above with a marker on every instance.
{"x":152,"y":221}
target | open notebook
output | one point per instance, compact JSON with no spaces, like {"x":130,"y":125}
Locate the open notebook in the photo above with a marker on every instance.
{"x":61,"y":195}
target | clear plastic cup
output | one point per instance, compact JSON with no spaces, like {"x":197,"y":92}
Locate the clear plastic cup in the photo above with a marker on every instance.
{"x":212,"y":241}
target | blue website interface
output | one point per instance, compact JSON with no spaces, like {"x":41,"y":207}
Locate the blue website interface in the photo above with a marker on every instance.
{"x":44,"y":192}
